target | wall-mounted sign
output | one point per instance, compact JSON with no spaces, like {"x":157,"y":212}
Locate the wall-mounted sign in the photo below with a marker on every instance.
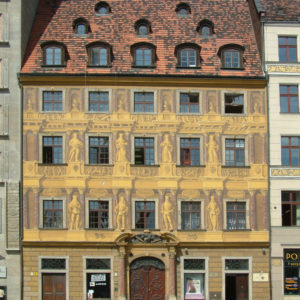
{"x":2,"y":272}
{"x":262,"y":277}
{"x":292,"y":257}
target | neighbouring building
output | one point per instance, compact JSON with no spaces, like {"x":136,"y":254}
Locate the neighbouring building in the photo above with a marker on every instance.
{"x":145,"y":157}
{"x":11,"y":47}
{"x":282,"y":55}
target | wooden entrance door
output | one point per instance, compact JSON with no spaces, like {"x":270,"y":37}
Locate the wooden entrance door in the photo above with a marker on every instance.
{"x":54,"y":286}
{"x":147,"y":280}
{"x":236,"y":287}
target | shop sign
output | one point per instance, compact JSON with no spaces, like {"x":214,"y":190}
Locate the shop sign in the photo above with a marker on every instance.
{"x":291,"y":284}
{"x":292,"y":258}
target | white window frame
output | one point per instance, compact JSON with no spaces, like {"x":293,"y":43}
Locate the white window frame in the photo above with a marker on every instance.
{"x":202,"y":224}
{"x":41,"y":218}
{"x":154,"y":136}
{"x":52,"y":89}
{"x":189,"y":136}
{"x":110,"y":271}
{"x":249,"y":272}
{"x":194,"y":91}
{"x":87,"y":146}
{"x":146,"y":90}
{"x":246,"y":149}
{"x":234,"y":92}
{"x":205,"y":271}
{"x":86,"y":102}
{"x":41,"y":271}
{"x":87,"y":201}
{"x":246,"y":201}
{"x":52,"y":134}
{"x":155,"y":200}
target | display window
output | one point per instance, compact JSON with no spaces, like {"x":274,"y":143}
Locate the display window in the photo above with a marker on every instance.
{"x":291,"y":271}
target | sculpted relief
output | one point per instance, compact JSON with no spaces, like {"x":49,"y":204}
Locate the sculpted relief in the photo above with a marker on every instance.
{"x":213,"y":212}
{"x":74,"y":209}
{"x":121,"y":212}
{"x":167,"y":211}
{"x":76,"y":147}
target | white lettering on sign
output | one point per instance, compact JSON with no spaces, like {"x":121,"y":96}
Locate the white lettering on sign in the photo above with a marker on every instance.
{"x":98,"y":277}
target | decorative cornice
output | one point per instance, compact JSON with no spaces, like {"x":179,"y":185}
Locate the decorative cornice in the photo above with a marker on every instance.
{"x":283,"y":68}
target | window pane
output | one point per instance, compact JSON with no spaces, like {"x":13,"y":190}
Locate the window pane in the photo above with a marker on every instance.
{"x":193,"y":285}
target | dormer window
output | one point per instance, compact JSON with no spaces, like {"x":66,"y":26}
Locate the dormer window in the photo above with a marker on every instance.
{"x":231,"y":56}
{"x":100,"y":54}
{"x":205,"y":28}
{"x":143,"y":55}
{"x":188,"y":55}
{"x":102,"y":8}
{"x":81,"y":26}
{"x":142,"y":27}
{"x":183,"y":9}
{"x":54,"y":54}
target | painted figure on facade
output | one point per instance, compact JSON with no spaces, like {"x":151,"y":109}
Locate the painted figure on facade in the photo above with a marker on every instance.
{"x":121,"y":103}
{"x":75,"y":146}
{"x":213,"y":148}
{"x":74,"y":213}
{"x":75,"y":103}
{"x":167,"y":149}
{"x":121,"y":211}
{"x":121,"y":149}
{"x":167,"y":210}
{"x":213,"y":213}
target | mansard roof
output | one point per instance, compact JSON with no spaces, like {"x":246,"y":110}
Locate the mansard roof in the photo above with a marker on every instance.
{"x":231,"y":19}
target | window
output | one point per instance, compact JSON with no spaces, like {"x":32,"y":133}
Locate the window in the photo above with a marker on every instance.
{"x":183,"y":9}
{"x":231,"y":56}
{"x":235,"y":152}
{"x":52,"y":213}
{"x":287,"y":48}
{"x":194,"y":278}
{"x":98,"y":150}
{"x":290,"y":208}
{"x":189,"y":151}
{"x":142,"y":27}
{"x":98,"y":278}
{"x":102,"y":8}
{"x":98,"y":56}
{"x":144,"y":151}
{"x":145,"y":214}
{"x":143,"y":102}
{"x":98,"y":214}
{"x":52,"y":101}
{"x":190,"y":215}
{"x":290,"y":151}
{"x":143,"y":55}
{"x":189,"y":103}
{"x":291,"y":272}
{"x":54,"y":54}
{"x":98,"y":101}
{"x":52,"y":149}
{"x":81,"y":26}
{"x":289,"y":99}
{"x":236,"y":215}
{"x":188,"y":55}
{"x":205,"y":28}
{"x":234,"y":103}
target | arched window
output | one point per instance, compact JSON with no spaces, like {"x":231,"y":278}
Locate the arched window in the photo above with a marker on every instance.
{"x":100,"y":54}
{"x":102,"y":8}
{"x":81,"y":26}
{"x":231,"y":56}
{"x":188,"y":55}
{"x":142,"y":27}
{"x":183,"y":9}
{"x":143,"y":55}
{"x":205,"y":28}
{"x":54,"y":54}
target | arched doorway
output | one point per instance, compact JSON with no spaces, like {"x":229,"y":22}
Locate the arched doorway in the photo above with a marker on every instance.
{"x":147,"y":279}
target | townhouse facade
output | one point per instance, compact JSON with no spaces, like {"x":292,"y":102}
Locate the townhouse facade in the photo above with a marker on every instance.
{"x":282,"y":55}
{"x":145,"y":154}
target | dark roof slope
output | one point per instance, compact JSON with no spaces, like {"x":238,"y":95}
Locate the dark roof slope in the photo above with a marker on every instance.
{"x":231,"y":19}
{"x":282,"y":10}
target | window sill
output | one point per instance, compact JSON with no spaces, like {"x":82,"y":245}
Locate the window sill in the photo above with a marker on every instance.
{"x":189,"y":114}
{"x":85,"y":35}
{"x":188,"y":68}
{"x":143,"y":67}
{"x":99,"y":229}
{"x":54,"y":165}
{"x":52,"y":112}
{"x":236,"y":230}
{"x":99,"y":66}
{"x":242,"y":167}
{"x":190,"y":166}
{"x":143,"y":166}
{"x":192,"y":230}
{"x":145,"y":229}
{"x":144,"y":113}
{"x":233,"y":69}
{"x":102,"y":15}
{"x":53,"y":66}
{"x":52,"y":228}
{"x":234,"y":115}
{"x":98,"y":112}
{"x":290,"y":113}
{"x":99,"y":165}
{"x":4,"y":43}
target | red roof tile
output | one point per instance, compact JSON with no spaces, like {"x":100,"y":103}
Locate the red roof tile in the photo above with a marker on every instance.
{"x":231,"y":19}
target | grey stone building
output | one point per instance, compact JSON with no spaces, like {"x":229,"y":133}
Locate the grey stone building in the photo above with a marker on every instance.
{"x":16,"y":18}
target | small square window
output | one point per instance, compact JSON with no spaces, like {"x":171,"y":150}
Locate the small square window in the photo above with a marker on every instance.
{"x":98,"y":150}
{"x":99,"y":214}
{"x":234,"y":104}
{"x":189,"y":103}
{"x":52,"y":213}
{"x":52,"y":147}
{"x":143,"y":102}
{"x":144,"y":151}
{"x":52,"y":101}
{"x":287,"y":47}
{"x":145,"y":214}
{"x":190,"y":215}
{"x":236,"y":215}
{"x":289,"y":99}
{"x":235,"y":152}
{"x":189,"y":151}
{"x":98,"y":101}
{"x":290,"y":151}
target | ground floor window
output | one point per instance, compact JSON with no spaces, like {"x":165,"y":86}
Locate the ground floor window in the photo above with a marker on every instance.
{"x":236,"y":279}
{"x":291,"y":271}
{"x":194,"y":278}
{"x":98,"y":278}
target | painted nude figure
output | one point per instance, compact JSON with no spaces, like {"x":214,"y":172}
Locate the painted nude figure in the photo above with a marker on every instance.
{"x":121,"y":149}
{"x":74,"y":213}
{"x":75,"y":146}
{"x":167,"y":210}
{"x":167,"y":149}
{"x":213,"y":147}
{"x":121,"y":211}
{"x":213,"y":213}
